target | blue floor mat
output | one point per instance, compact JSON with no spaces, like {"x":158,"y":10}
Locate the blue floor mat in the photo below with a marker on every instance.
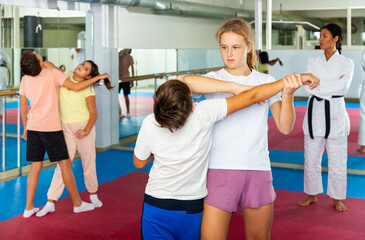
{"x":353,"y":162}
{"x":110,"y":165}
{"x":348,"y":105}
{"x":292,"y":180}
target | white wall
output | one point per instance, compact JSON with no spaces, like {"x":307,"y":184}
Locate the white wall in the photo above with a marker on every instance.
{"x":145,"y":31}
{"x":198,"y":59}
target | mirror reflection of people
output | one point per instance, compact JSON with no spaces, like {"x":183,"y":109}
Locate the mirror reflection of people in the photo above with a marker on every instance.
{"x":264,"y":62}
{"x":4,"y":69}
{"x":78,"y":55}
{"x":125,"y":61}
{"x":4,"y":74}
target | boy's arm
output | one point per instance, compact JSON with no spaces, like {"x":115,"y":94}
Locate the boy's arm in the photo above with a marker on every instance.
{"x":83,"y":84}
{"x":91,"y":105}
{"x":138,"y":163}
{"x":49,"y":65}
{"x":200,"y":84}
{"x":23,"y":113}
{"x":255,"y":95}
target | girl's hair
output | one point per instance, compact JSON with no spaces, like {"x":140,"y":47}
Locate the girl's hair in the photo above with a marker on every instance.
{"x":95,"y":72}
{"x":243,"y":28}
{"x":335,"y":30}
{"x":29,"y":64}
{"x":172,"y":104}
{"x":264,"y":57}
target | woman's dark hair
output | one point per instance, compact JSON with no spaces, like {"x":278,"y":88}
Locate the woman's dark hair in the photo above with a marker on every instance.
{"x":172,"y":104}
{"x":264,"y":57}
{"x":29,"y":64}
{"x":335,"y":30}
{"x":95,"y":72}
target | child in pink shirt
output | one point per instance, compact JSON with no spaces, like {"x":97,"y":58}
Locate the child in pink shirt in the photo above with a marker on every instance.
{"x":42,"y":125}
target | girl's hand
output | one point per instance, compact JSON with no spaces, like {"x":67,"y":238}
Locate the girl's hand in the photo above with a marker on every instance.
{"x":81,"y":133}
{"x":103,"y":76}
{"x":309,"y":79}
{"x":291,"y":83}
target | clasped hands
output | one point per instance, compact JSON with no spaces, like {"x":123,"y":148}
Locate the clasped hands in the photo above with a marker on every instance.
{"x":294,"y":81}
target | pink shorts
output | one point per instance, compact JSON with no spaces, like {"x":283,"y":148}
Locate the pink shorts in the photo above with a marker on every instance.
{"x":228,"y":189}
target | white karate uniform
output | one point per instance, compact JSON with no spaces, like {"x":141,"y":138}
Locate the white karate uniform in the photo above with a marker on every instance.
{"x":362,"y":116}
{"x":335,"y":79}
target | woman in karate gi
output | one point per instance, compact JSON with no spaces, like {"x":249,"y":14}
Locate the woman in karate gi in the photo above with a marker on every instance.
{"x":326,"y":122}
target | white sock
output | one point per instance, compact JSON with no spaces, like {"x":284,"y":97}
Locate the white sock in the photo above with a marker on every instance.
{"x":95,"y":200}
{"x":28,"y":213}
{"x":84,"y":207}
{"x":49,"y":207}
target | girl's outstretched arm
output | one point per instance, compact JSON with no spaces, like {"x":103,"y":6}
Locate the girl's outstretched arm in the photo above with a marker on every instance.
{"x":200,"y":84}
{"x":283,"y":111}
{"x":83,"y":84}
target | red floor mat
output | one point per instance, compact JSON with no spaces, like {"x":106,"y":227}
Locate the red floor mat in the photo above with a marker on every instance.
{"x":119,"y":218}
{"x":295,"y":140}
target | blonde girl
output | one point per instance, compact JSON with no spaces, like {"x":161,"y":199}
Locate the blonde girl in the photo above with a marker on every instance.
{"x":239,"y":166}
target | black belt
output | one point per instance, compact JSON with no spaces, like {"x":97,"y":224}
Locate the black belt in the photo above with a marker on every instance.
{"x":326,"y":111}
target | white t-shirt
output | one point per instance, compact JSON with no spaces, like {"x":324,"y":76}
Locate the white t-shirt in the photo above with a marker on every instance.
{"x":181,"y":158}
{"x":240,"y":141}
{"x":331,"y":83}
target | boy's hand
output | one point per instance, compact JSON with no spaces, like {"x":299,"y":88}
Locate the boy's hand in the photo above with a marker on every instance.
{"x":309,"y":79}
{"x":25,"y":134}
{"x":291,"y":84}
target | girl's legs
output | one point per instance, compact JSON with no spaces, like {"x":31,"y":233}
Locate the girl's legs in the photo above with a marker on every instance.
{"x":32,"y":183}
{"x":258,"y":222}
{"x":313,"y":151}
{"x":337,"y":171}
{"x":86,"y":149}
{"x":215,"y":223}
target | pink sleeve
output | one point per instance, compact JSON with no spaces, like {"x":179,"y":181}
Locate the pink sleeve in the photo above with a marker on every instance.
{"x":59,"y":77}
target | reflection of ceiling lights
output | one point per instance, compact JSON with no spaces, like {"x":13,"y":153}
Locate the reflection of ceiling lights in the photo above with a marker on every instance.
{"x":292,"y":22}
